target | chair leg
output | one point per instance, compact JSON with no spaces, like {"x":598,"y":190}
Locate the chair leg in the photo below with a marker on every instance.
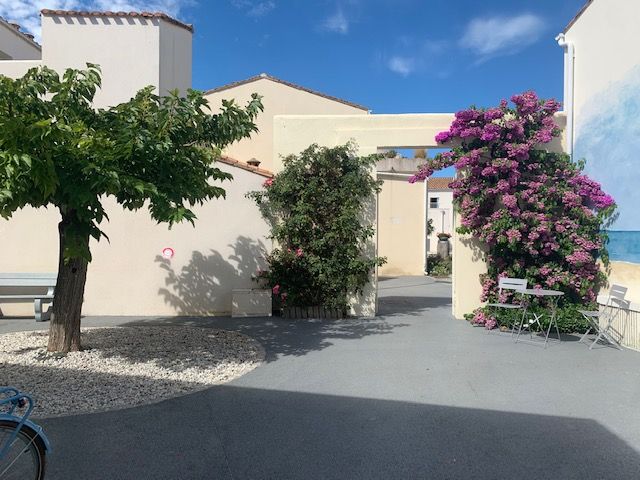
{"x":585,"y":334}
{"x":513,"y":329}
{"x":604,"y":334}
{"x":520,"y":329}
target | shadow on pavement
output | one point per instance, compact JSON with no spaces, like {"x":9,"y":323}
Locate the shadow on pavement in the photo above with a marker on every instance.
{"x":242,"y":433}
{"x":287,"y":337}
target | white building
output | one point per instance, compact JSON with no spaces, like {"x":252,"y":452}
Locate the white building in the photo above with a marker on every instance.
{"x":133,"y":49}
{"x":440,"y":209}
{"x":16,"y":44}
{"x":602,"y":105}
{"x":279,"y":97}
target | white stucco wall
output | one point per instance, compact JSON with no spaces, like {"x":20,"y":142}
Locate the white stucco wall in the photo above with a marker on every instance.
{"x":372,"y":133}
{"x":133,"y":52}
{"x":278,"y":99}
{"x":14,"y":46}
{"x":127,"y":50}
{"x":401,"y":225}
{"x":17,"y":68}
{"x":175,"y":58}
{"x":294,"y":133}
{"x":128,"y":275}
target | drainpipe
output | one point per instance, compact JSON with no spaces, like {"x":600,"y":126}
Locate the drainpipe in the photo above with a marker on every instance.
{"x":569,"y":61}
{"x":426,"y":220}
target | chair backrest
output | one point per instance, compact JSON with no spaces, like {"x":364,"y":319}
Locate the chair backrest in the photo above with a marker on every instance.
{"x":617,"y":293}
{"x":506,"y":283}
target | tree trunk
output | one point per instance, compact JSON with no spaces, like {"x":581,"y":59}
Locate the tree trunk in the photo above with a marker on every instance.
{"x":64,"y":329}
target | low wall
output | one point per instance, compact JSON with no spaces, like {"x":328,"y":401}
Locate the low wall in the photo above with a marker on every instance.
{"x":627,"y":322}
{"x":129,"y":275}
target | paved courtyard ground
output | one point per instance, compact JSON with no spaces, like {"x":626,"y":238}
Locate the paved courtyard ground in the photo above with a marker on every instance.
{"x":412,"y":394}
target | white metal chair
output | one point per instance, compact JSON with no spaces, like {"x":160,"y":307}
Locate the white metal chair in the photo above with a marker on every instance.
{"x":614,"y":304}
{"x":506,"y":283}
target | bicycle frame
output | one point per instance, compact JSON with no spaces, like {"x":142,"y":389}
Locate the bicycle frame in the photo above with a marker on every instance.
{"x":13,"y":398}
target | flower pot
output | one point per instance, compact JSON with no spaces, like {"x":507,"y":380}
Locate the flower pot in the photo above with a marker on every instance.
{"x":318,"y":312}
{"x":444,"y":248}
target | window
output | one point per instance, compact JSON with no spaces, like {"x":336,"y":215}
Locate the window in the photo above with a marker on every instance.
{"x":433,"y":202}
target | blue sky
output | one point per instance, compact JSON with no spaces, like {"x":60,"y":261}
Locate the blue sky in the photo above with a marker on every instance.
{"x":394,"y":56}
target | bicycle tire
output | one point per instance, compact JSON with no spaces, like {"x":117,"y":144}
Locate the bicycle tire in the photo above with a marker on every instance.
{"x":35,"y":445}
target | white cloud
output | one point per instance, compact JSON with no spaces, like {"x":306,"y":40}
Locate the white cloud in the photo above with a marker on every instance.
{"x":27,"y":12}
{"x":404,"y":66}
{"x":414,"y":55}
{"x":254,"y":8}
{"x":338,"y":22}
{"x":493,"y":36}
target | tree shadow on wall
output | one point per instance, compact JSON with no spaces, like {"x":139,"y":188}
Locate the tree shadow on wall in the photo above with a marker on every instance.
{"x":204,"y":285}
{"x":477,"y":248}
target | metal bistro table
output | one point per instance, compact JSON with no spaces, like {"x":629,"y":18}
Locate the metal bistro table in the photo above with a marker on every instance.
{"x":554,"y":295}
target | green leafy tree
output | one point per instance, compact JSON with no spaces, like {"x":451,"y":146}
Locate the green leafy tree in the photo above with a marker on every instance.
{"x":57,"y":150}
{"x":317,"y":210}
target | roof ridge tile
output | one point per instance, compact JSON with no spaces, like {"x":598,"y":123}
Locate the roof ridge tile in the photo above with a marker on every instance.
{"x":245,"y":166}
{"x":144,"y":14}
{"x":263,"y":76}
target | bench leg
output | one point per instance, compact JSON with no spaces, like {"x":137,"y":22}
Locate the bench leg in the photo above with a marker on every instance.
{"x":40,"y":315}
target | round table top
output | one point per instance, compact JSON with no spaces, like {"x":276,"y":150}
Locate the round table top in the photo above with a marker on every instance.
{"x":539,"y":292}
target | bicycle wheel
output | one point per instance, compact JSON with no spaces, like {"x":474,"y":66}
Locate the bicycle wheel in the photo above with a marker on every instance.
{"x":25,"y":458}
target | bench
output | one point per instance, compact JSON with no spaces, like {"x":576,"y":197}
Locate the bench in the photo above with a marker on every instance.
{"x":21,"y":287}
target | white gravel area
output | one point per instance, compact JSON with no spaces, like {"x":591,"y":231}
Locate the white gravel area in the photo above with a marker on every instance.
{"x":123,"y":367}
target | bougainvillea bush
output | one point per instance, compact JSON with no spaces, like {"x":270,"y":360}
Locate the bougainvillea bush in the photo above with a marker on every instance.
{"x":316,"y":208}
{"x":538,"y":215}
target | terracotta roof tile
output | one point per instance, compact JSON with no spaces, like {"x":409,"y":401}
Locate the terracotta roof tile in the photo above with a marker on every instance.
{"x":19,"y":31}
{"x":82,"y":13}
{"x":245,"y":166}
{"x":439,"y":183}
{"x":288,"y":84}
{"x":577,"y":16}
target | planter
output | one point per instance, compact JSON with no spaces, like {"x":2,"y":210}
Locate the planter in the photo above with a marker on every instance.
{"x":321,"y":313}
{"x":444,"y":248}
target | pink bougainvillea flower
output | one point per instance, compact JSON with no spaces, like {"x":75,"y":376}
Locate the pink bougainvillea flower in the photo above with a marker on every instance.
{"x":267,"y":183}
{"x":537,"y":213}
{"x":299,"y":252}
{"x":276,"y":289}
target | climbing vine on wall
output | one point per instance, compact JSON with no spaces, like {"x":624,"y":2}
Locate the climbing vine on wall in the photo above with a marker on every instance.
{"x":317,"y":208}
{"x":538,"y":215}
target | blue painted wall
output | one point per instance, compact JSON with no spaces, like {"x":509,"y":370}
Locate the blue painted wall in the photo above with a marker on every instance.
{"x":608,"y":137}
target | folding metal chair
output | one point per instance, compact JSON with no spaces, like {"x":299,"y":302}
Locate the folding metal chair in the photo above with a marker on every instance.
{"x":506,"y":283}
{"x":610,"y":311}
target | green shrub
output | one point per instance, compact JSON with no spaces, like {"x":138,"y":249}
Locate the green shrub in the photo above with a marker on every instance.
{"x":438,"y":267}
{"x":568,"y":318}
{"x":317,"y":210}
